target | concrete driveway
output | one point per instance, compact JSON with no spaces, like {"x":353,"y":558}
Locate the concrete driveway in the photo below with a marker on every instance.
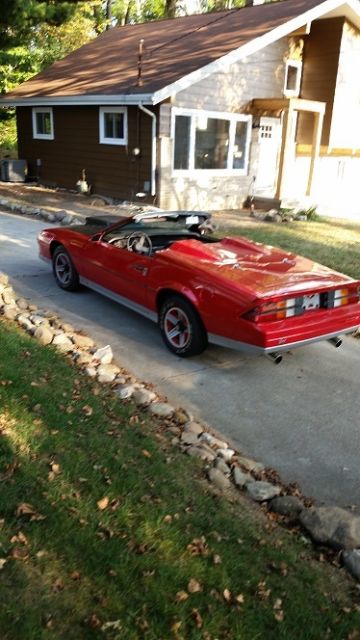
{"x":301,"y":417}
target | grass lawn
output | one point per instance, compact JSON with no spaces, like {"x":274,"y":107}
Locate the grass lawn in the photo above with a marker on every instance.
{"x":332,"y":242}
{"x":106,"y":531}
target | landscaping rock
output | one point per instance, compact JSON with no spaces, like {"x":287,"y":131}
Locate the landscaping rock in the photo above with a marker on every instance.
{"x":213,"y":442}
{"x":187,"y":437}
{"x":10,"y":311}
{"x":125,"y":391}
{"x":22,"y":304}
{"x":25,"y":323}
{"x":44,"y":335}
{"x":227,"y":454}
{"x":107,"y":372}
{"x":161,"y":409}
{"x":144,"y":396}
{"x":4,"y":279}
{"x":193,"y":427}
{"x":91,"y":371}
{"x":60,"y":215}
{"x":260,"y":490}
{"x":250,"y":465}
{"x":240,"y":478}
{"x":352,"y":562}
{"x":37,"y":320}
{"x":218,"y":479}
{"x":287,"y":506}
{"x":105,"y":355}
{"x":200,"y":452}
{"x":83,"y":358}
{"x":221,"y":465}
{"x":8,"y":295}
{"x":84,"y":342}
{"x":63,"y":343}
{"x":332,"y":526}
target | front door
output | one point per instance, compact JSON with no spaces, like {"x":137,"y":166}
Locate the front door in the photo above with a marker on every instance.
{"x":269,"y":149}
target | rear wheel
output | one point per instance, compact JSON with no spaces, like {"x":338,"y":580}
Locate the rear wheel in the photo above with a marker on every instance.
{"x":65,"y":273}
{"x":181,"y":327}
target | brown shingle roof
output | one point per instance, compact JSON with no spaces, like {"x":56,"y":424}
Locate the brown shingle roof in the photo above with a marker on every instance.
{"x":172,"y":49}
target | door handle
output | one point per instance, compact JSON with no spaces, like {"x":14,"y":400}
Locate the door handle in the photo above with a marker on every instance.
{"x":141,"y":269}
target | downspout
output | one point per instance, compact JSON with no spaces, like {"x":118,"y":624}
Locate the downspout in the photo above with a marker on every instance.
{"x":153,"y":147}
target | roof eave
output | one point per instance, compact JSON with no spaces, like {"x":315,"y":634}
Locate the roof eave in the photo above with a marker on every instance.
{"x":96,"y":99}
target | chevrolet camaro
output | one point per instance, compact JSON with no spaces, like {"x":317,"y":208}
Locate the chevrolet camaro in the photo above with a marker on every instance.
{"x":200,"y":288}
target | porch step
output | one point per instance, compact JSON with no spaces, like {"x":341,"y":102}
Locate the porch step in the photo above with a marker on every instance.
{"x":265,"y":204}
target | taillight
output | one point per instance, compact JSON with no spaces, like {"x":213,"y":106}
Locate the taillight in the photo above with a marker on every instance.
{"x":341,"y":297}
{"x":270,"y":311}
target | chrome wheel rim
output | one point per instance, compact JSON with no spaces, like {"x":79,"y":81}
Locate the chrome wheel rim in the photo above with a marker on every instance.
{"x":177,"y":328}
{"x":63,"y":268}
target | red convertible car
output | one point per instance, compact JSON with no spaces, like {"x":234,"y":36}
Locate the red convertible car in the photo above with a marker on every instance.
{"x":199,"y":288}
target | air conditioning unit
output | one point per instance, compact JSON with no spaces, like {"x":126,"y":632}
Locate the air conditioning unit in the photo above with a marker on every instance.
{"x":13,"y":170}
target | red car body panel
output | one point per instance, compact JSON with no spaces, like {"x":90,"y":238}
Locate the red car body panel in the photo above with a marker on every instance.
{"x":224,"y":280}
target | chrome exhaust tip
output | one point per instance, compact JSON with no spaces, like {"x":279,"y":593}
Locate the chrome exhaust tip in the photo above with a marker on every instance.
{"x":336,"y":341}
{"x":274,"y":357}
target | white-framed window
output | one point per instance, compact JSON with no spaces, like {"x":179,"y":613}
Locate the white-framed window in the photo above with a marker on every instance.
{"x":292,"y":78}
{"x":113,"y":125}
{"x":210,"y":141}
{"x":43,"y":123}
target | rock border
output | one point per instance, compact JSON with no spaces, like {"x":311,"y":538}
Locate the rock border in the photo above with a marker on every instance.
{"x":225,"y":468}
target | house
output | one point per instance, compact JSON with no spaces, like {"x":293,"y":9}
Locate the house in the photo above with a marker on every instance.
{"x":204,"y":110}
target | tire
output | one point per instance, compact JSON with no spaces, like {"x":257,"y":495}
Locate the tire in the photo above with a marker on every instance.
{"x":181,"y":327}
{"x":65,"y":274}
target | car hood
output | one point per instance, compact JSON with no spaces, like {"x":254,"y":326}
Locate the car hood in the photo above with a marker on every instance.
{"x":260,"y":269}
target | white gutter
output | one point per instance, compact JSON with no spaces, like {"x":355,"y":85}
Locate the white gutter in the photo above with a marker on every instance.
{"x":153,"y":147}
{"x":100,"y":99}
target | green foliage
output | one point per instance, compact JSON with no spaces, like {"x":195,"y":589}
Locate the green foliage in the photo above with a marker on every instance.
{"x":8,"y":137}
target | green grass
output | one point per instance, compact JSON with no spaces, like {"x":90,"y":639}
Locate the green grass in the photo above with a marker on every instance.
{"x":332,"y":242}
{"x":8,"y":138}
{"x":70,"y":567}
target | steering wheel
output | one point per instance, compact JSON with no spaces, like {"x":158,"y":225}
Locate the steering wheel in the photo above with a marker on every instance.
{"x":139,"y":242}
{"x":116,"y":239}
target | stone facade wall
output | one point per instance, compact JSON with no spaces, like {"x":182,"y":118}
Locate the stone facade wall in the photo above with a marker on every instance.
{"x":258,"y":76}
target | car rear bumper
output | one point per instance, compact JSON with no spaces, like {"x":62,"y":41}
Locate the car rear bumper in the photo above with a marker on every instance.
{"x":252,"y":348}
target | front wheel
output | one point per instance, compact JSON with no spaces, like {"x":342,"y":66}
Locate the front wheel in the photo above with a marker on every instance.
{"x":181,"y":327}
{"x":65,"y":273}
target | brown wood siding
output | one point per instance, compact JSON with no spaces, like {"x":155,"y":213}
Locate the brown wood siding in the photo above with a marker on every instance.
{"x":320,"y":67}
{"x":110,"y":169}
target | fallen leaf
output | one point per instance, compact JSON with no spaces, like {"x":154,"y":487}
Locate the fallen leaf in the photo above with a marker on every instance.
{"x":168,"y":519}
{"x":175,"y":627}
{"x":26,"y":509}
{"x":87,"y":410}
{"x":19,"y":537}
{"x":277,"y":604}
{"x":262,"y":592}
{"x":146,"y":453}
{"x":194,"y":586}
{"x":216,"y":559}
{"x":2,"y":563}
{"x":240,"y":598}
{"x":75,"y":575}
{"x":19,"y":553}
{"x":58,"y":585}
{"x":103,"y":503}
{"x":93,"y":622}
{"x":55,"y":468}
{"x":227,"y":595}
{"x":198,"y":547}
{"x":114,"y":625}
{"x":279,"y":615}
{"x":181,"y":596}
{"x":197,"y":618}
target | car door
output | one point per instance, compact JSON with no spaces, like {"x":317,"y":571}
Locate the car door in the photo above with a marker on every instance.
{"x":116,"y":269}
